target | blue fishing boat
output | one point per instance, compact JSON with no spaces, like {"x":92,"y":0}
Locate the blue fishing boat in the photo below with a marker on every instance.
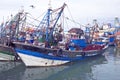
{"x":49,"y":52}
{"x":38,"y":56}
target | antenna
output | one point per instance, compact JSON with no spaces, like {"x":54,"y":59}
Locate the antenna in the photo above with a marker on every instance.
{"x":49,"y":4}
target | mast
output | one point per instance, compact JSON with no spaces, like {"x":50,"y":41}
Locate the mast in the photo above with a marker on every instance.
{"x":14,"y":25}
{"x":48,"y":19}
{"x":57,"y":18}
{"x":49,"y":4}
{"x":49,"y":22}
{"x":95,"y":25}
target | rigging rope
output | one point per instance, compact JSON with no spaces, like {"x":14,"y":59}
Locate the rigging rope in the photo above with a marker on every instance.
{"x":34,"y":19}
{"x":72,"y":20}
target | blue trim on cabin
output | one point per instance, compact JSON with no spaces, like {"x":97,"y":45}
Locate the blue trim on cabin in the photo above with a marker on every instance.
{"x":43,"y":55}
{"x":79,"y":42}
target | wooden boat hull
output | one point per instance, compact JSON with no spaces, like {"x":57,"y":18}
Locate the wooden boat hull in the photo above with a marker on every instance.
{"x":37,"y":56}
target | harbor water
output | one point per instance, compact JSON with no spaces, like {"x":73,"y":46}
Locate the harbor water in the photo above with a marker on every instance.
{"x":104,"y":67}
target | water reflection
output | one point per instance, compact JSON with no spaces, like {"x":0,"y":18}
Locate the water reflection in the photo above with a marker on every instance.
{"x":41,"y":73}
{"x":81,"y":70}
{"x":110,"y":70}
{"x":11,"y":70}
{"x":117,"y":56}
{"x":117,"y":52}
{"x":22,"y":73}
{"x":6,"y":65}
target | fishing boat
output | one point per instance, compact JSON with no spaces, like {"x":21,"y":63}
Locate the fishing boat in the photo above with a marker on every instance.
{"x":53,"y":50}
{"x":6,"y":52}
{"x":38,"y":56}
{"x":7,"y":32}
{"x":105,"y":32}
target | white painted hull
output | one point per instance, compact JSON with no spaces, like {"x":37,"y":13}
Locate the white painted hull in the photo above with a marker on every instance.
{"x":30,"y":61}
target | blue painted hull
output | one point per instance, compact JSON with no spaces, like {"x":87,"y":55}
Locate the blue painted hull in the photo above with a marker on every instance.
{"x":39,"y":56}
{"x":47,"y":56}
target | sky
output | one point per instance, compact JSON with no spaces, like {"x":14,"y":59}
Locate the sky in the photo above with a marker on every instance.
{"x":82,"y":11}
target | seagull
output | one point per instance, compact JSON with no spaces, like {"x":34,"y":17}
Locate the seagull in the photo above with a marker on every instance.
{"x":32,"y":6}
